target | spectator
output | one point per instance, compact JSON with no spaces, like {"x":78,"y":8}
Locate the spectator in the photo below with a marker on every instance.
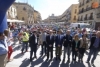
{"x":3,"y":50}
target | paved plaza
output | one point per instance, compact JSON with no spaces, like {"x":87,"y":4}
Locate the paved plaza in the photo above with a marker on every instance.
{"x":22,"y":60}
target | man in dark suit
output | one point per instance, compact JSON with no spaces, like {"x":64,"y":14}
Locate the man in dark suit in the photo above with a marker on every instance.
{"x":50,"y":42}
{"x":58,"y":44}
{"x":33,"y":45}
{"x":94,"y":47}
{"x":67,"y":44}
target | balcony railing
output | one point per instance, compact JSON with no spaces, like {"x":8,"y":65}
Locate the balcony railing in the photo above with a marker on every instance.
{"x":91,"y":18}
{"x":80,"y":5}
{"x":78,"y":19}
{"x":84,"y":10}
{"x":87,"y":1}
{"x":89,"y":8}
{"x":85,"y":18}
{"x":98,"y":15}
{"x":81,"y":19}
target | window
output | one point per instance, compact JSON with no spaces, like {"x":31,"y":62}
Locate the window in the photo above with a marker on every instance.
{"x":81,"y":18}
{"x":74,"y":17}
{"x":91,"y":16}
{"x":78,"y":18}
{"x":16,"y":17}
{"x":24,"y":8}
{"x":87,"y":8}
{"x":22,"y":18}
{"x":75,"y":11}
{"x":85,"y":17}
{"x":16,"y":6}
{"x":11,"y":9}
{"x":82,"y":10}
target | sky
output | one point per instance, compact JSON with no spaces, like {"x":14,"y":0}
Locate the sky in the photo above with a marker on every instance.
{"x":49,"y":7}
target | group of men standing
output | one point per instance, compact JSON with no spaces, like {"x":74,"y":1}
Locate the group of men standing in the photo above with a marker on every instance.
{"x":47,"y":40}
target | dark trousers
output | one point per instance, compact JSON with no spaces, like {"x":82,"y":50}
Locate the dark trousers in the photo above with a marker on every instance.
{"x":50,"y":51}
{"x":68,"y":52}
{"x":58,"y":52}
{"x":74,"y":55}
{"x":94,"y":52}
{"x":81,"y":53}
{"x":25,"y":45}
{"x":43,"y":46}
{"x":33,"y":49}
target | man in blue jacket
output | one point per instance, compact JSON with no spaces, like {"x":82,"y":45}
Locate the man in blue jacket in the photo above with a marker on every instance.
{"x":4,"y":5}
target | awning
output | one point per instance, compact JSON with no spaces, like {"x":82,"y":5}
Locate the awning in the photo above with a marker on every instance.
{"x":14,"y":21}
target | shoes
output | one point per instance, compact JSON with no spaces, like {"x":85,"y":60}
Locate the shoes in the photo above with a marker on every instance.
{"x":64,"y":59}
{"x":60,"y":59}
{"x":41,"y":55}
{"x":10,"y":60}
{"x":22,"y":52}
{"x":30,"y":60}
{"x":87,"y":61}
{"x":26,"y":51}
{"x":47,"y":59}
{"x":56,"y":59}
{"x":92,"y":64}
{"x":35,"y":57}
{"x":79,"y":60}
{"x":68,"y":61}
{"x":51,"y":59}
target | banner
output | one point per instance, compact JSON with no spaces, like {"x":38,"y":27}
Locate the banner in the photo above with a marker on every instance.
{"x":4,"y":5}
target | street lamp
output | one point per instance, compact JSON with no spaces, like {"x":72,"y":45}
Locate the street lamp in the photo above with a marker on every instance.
{"x":95,"y":5}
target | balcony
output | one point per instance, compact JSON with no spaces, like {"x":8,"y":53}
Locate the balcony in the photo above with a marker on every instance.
{"x":98,"y":15}
{"x":87,"y":9}
{"x":81,"y":11}
{"x":85,"y":18}
{"x":81,"y":19}
{"x":78,"y":19}
{"x":87,"y":1}
{"x":80,"y":5}
{"x":91,"y":17}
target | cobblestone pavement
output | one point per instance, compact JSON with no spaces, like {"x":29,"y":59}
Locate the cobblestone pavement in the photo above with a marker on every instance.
{"x":22,"y":60}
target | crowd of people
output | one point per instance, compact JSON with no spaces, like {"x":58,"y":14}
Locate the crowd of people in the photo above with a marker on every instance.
{"x":74,"y":41}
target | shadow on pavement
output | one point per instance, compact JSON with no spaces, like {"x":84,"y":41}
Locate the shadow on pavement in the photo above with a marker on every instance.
{"x":18,"y":56}
{"x":25,"y":63}
{"x":87,"y":53}
{"x":45,"y":64}
{"x":37,"y":61}
{"x":72,"y":64}
{"x":89,"y":65}
{"x":77,"y":64}
{"x":17,"y":48}
{"x":55,"y":63}
{"x":64,"y":64}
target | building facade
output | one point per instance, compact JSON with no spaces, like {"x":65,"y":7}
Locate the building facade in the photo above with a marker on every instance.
{"x":87,"y":14}
{"x":12,"y":12}
{"x":51,"y":19}
{"x":37,"y":17}
{"x":71,"y":14}
{"x":24,"y":12}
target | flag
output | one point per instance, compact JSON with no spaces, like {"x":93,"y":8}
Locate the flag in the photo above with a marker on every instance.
{"x":4,"y":5}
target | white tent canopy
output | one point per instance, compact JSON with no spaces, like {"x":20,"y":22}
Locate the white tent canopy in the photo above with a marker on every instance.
{"x":14,"y":20}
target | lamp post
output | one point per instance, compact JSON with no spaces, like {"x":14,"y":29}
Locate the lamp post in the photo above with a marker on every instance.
{"x":95,"y":5}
